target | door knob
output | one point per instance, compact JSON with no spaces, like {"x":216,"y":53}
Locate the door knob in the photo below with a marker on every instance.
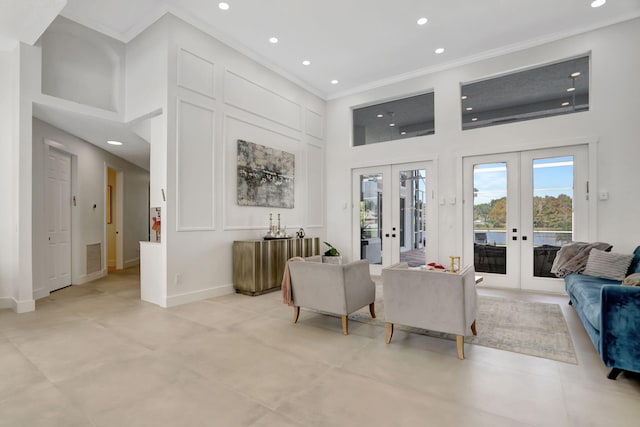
{"x":386,"y":235}
{"x":524,"y":237}
{"x":393,"y":235}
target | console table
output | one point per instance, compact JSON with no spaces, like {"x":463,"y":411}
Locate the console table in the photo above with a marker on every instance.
{"x":258,"y":265}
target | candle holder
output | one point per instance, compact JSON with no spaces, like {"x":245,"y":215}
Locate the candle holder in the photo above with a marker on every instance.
{"x":455,"y":263}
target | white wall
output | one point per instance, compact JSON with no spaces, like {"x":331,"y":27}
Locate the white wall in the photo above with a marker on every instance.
{"x":146,"y":92}
{"x":146,"y":71}
{"x":612,"y":122}
{"x":8,"y":102}
{"x":216,"y":96}
{"x":82,"y":65}
{"x":89,"y":184}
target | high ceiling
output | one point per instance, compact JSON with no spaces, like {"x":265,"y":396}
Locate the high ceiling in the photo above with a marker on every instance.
{"x":361,"y":43}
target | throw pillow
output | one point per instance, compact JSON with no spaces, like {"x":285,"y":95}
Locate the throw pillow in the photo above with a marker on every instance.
{"x":608,"y":265}
{"x":632,"y":280}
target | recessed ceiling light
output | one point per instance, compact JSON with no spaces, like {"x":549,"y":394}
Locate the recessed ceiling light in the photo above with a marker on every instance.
{"x":474,"y":119}
{"x":403,"y":133}
{"x":114,"y":142}
{"x":306,"y":62}
{"x":469,"y":108}
{"x":273,"y":40}
{"x":463,"y":97}
{"x":571,"y":89}
{"x":598,"y":3}
{"x":334,"y":82}
{"x":439,"y":50}
{"x":564,"y":104}
{"x":380,"y":116}
{"x":392,"y":124}
{"x":576,"y":74}
{"x":422,"y":21}
{"x":223,"y":6}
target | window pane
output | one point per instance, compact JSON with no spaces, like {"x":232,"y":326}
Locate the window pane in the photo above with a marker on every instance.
{"x":490,"y":217}
{"x":413,"y":224}
{"x":552,"y":210}
{"x":551,"y":90}
{"x":371,"y":218}
{"x":403,"y":118}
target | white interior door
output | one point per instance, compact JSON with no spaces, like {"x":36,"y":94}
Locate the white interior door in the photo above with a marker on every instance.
{"x":58,"y":219}
{"x":520,"y":208}
{"x":393,"y":215}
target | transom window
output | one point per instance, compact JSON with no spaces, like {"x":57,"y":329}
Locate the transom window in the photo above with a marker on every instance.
{"x":399,"y":119}
{"x":550,"y":90}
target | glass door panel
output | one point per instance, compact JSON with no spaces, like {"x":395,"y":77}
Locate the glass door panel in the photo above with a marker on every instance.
{"x":552,"y":210}
{"x":490,"y":217}
{"x":412,"y":217}
{"x":371,"y":216}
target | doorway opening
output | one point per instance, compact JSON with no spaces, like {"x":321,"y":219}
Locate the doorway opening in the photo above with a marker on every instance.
{"x":393,"y":218}
{"x":520,"y":208}
{"x":113,"y":219}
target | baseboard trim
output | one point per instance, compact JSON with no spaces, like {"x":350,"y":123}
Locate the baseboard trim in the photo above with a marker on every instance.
{"x":23,"y":306}
{"x":218,"y":291}
{"x":88,"y":277}
{"x":132,"y":262}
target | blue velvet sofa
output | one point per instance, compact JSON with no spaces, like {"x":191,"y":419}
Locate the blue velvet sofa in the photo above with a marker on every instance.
{"x":610,"y":313}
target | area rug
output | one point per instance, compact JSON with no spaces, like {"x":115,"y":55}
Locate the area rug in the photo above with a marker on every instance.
{"x":532,"y":328}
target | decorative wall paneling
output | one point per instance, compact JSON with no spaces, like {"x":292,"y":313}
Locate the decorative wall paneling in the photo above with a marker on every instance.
{"x":248,"y":95}
{"x":314,"y":124}
{"x":196,"y":73}
{"x":315,"y":186}
{"x":195,"y":167}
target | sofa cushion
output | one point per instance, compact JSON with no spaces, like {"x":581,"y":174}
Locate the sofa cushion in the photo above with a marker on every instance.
{"x":586,"y":294}
{"x":608,"y":265}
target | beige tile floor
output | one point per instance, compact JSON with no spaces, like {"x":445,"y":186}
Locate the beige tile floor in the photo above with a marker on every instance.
{"x":95,"y":355}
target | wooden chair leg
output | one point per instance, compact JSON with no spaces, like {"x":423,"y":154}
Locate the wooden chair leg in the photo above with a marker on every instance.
{"x":389,"y":332}
{"x":473,"y":328}
{"x":296,"y":313}
{"x":345,"y":325}
{"x":372,"y":310}
{"x":460,"y":342}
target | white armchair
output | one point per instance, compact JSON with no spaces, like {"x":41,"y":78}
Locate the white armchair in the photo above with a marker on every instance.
{"x":431,"y":300}
{"x":333,"y":288}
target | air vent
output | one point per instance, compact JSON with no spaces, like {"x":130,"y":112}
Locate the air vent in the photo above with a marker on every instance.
{"x":94,"y":258}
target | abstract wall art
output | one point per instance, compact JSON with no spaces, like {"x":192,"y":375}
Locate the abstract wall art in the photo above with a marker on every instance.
{"x":265,"y":176}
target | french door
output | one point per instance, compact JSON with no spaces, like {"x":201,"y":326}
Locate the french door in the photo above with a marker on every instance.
{"x":519,"y":209}
{"x":393,"y":215}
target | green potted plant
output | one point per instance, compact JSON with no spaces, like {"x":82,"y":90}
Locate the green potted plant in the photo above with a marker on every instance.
{"x":331,"y":255}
